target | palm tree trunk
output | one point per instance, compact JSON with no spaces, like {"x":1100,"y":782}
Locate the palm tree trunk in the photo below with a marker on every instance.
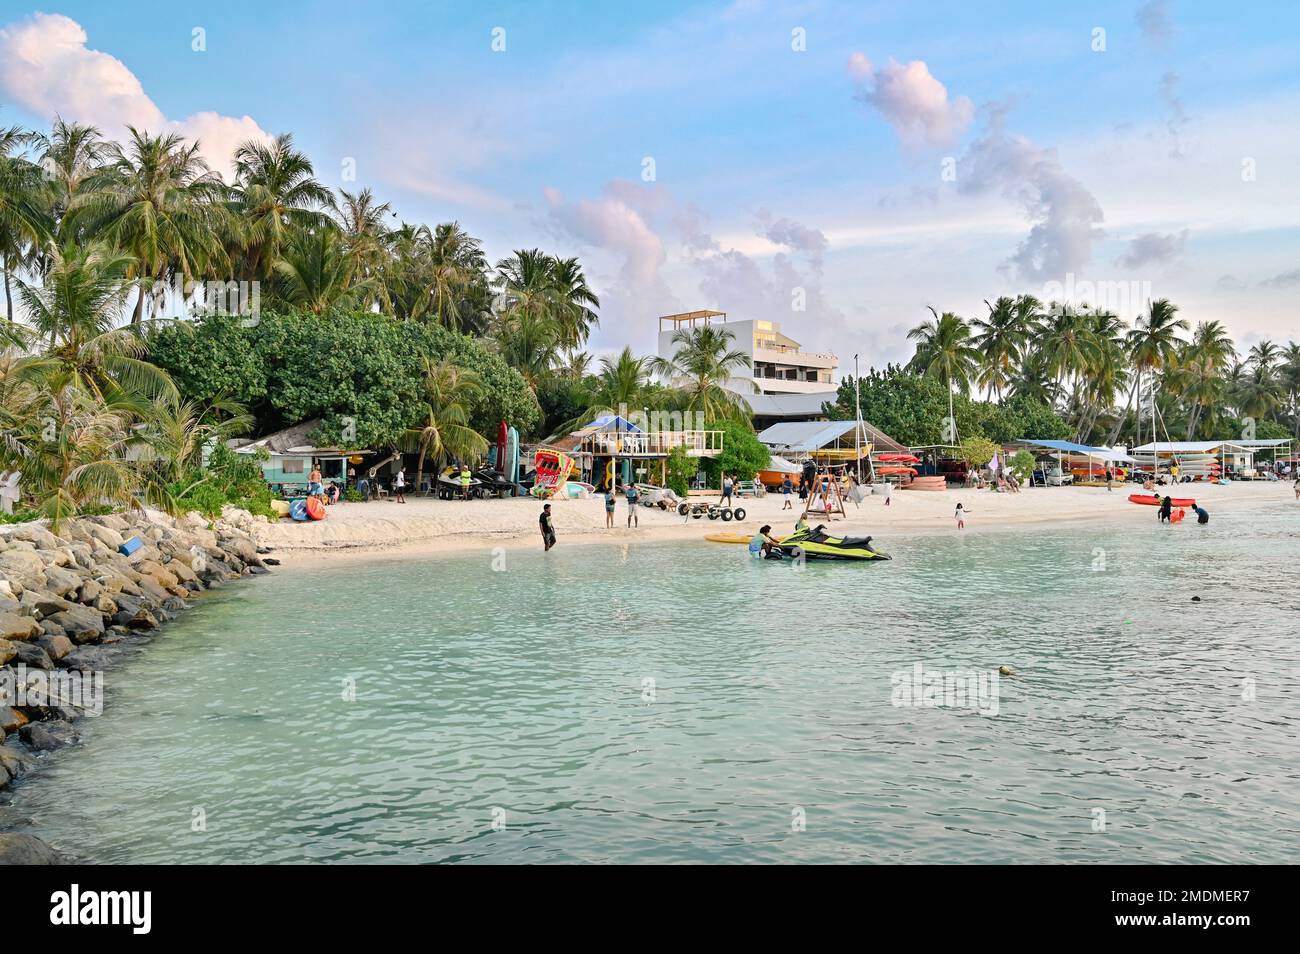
{"x":1119,"y":423}
{"x":139,"y":302}
{"x":9,"y":297}
{"x":419,"y":470}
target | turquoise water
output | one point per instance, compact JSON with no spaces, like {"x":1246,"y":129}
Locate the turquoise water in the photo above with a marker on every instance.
{"x":518,"y":697}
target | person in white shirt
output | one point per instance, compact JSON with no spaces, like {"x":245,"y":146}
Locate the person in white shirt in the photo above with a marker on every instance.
{"x":399,"y":486}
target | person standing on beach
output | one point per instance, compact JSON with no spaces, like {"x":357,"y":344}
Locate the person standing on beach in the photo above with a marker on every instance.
{"x":1110,"y":480}
{"x":609,"y":508}
{"x":727,"y":487}
{"x":961,"y":517}
{"x":632,"y":494}
{"x":548,"y":528}
{"x":465,"y":478}
{"x":399,"y":486}
{"x":1297,"y":488}
{"x":787,"y":488}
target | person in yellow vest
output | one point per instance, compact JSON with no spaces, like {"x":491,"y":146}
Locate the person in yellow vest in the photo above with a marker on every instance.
{"x":465,"y":478}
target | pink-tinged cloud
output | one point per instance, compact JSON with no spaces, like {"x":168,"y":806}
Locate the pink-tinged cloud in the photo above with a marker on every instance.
{"x":911,"y":100}
{"x":47,"y":68}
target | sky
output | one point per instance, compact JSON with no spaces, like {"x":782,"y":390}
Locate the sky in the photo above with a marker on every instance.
{"x":835,"y":167}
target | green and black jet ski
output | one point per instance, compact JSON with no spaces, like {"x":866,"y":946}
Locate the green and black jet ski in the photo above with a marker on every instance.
{"x":817,"y":544}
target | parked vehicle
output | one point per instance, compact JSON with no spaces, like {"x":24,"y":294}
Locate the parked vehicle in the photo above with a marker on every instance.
{"x":1051,"y":475}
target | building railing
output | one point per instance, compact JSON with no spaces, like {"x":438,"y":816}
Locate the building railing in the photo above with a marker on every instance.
{"x":652,"y":443}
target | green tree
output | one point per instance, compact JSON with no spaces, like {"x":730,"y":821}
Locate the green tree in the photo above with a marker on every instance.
{"x":743,"y":455}
{"x":702,"y":363}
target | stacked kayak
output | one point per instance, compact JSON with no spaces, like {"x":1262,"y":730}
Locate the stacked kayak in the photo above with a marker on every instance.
{"x":925,"y":483}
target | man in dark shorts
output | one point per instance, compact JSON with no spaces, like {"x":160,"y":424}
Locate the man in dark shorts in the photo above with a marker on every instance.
{"x":548,"y":528}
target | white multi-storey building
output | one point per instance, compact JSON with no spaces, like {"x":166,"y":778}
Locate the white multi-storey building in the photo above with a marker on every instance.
{"x":780,"y":366}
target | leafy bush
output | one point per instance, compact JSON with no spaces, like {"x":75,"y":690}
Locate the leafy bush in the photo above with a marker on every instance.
{"x":356,"y":367}
{"x":228,"y":478}
{"x":1022,"y":464}
{"x":976,"y":451}
{"x":681,"y":468}
{"x":743,"y":455}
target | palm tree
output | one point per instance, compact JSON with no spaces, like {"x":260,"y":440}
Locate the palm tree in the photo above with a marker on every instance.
{"x":1000,"y":339}
{"x":24,"y":222}
{"x":1069,"y":344}
{"x":1259,"y":392}
{"x":275,"y":191}
{"x":1106,"y":372}
{"x":316,"y":274}
{"x":70,"y":155}
{"x":575,"y":302}
{"x":156,"y":199}
{"x":703,"y":362}
{"x":1153,"y":343}
{"x":1264,"y":355}
{"x":944,"y":351}
{"x":443,"y":430}
{"x":75,"y":312}
{"x":69,"y":445}
{"x":170,"y":445}
{"x":363,"y":222}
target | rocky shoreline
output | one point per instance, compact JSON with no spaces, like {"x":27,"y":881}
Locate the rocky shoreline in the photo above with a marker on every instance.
{"x":73,"y":602}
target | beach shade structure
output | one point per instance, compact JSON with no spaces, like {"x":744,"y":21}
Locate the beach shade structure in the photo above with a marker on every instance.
{"x":1102,"y":455}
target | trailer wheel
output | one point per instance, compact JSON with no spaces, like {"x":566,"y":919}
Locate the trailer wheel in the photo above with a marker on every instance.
{"x":726,"y":515}
{"x":697,"y":515}
{"x":683,"y":509}
{"x":740,"y":513}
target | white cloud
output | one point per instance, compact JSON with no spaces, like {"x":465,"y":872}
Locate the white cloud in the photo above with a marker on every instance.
{"x":1152,"y":248}
{"x":912,"y":101}
{"x":1065,"y":214}
{"x":1153,"y":21}
{"x":47,"y":68}
{"x":620,"y":224}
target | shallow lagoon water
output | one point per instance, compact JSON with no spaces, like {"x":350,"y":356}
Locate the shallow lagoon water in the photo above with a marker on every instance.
{"x":680,"y":702}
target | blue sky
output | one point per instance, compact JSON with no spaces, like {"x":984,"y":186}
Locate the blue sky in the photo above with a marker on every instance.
{"x":776,"y":170}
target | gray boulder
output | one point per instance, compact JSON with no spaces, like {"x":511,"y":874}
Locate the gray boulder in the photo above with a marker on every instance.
{"x":82,"y":625}
{"x":19,"y":849}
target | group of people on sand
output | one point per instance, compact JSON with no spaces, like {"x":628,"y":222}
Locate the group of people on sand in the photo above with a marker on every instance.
{"x":633,"y":495}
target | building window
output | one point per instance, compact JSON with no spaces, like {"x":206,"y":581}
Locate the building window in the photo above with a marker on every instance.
{"x":292,"y":465}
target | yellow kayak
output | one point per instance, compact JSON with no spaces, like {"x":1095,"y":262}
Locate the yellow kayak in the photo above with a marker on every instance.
{"x":732,"y":537}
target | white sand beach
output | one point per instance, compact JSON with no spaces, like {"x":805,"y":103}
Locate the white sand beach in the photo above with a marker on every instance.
{"x":359,"y":531}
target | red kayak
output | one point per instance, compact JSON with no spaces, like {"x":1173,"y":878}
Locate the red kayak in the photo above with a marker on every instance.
{"x":897,"y":459}
{"x":315,"y":509}
{"x":1154,"y":500}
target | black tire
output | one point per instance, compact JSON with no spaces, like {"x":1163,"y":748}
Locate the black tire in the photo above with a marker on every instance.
{"x":683,"y":509}
{"x":697,"y":516}
{"x":740,"y":513}
{"x":713,"y":515}
{"x":726,"y":515}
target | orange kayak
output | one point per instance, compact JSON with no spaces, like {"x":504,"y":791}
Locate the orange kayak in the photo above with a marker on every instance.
{"x":1154,"y":500}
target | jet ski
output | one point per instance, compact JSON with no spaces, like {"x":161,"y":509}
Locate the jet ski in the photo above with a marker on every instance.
{"x":494,"y":482}
{"x":817,"y":544}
